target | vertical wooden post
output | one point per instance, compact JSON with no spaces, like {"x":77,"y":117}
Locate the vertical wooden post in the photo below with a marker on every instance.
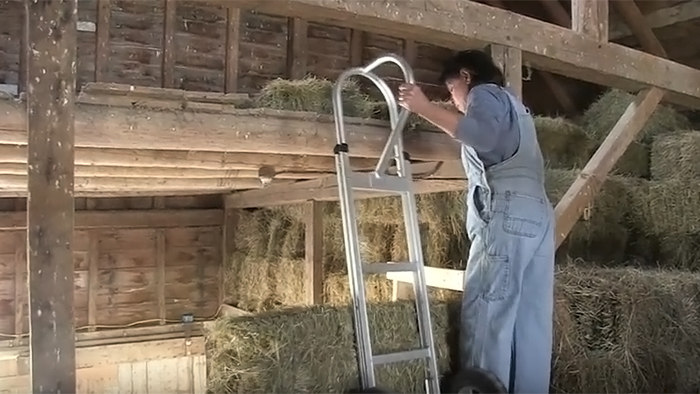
{"x":102,"y":39}
{"x":227,"y":248}
{"x":168,"y":67}
{"x":23,"y":56}
{"x":591,"y":17}
{"x":50,"y":209}
{"x":297,"y":48}
{"x":159,"y":203}
{"x":357,"y":44}
{"x":233,"y":42}
{"x":510,"y":60}
{"x":93,"y":277}
{"x":20,"y":288}
{"x":313,"y":283}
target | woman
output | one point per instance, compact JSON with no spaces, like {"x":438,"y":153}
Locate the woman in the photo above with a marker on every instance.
{"x":506,"y":319}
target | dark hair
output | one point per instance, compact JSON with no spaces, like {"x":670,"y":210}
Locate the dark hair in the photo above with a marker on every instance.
{"x":481,"y":67}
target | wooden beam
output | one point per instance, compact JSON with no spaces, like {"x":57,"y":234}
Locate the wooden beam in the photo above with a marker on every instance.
{"x":168,"y":66}
{"x":139,"y":159}
{"x":102,"y":47}
{"x":554,"y":86}
{"x":591,"y":178}
{"x":447,"y":23}
{"x":93,"y":257}
{"x":145,"y":173}
{"x":252,"y":131}
{"x":510,"y":60}
{"x":164,"y":218}
{"x":313,"y":261}
{"x":50,"y":111}
{"x":233,"y":42}
{"x":591,"y":18}
{"x":635,"y":21}
{"x":668,"y":16}
{"x":16,"y":185}
{"x":297,"y":47}
{"x":325,"y":189}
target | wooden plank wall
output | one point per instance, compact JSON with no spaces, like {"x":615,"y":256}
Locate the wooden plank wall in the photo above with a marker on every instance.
{"x":125,"y":274}
{"x":151,"y":367}
{"x":204,"y":47}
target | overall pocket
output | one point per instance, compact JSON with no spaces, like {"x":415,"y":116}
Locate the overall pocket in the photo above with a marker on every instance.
{"x":524,"y":214}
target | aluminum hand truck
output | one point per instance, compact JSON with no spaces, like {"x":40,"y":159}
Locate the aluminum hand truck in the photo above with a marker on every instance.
{"x":380,"y":181}
{"x":400,"y":183}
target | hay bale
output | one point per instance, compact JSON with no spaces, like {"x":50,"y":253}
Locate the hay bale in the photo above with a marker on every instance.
{"x":563,"y":143}
{"x":266,"y":270}
{"x":602,"y":115}
{"x":635,"y":161}
{"x":314,"y":95}
{"x":666,"y":207}
{"x":617,"y":331}
{"x":676,"y":156}
{"x":601,"y":234}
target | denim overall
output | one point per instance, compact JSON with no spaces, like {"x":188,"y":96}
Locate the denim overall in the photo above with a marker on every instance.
{"x":507,"y":309}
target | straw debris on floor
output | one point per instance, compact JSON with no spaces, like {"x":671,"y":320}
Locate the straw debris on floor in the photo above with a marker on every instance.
{"x":617,"y":331}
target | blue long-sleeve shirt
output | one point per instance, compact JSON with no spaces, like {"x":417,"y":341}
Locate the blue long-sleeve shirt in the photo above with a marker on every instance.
{"x":487,"y":126}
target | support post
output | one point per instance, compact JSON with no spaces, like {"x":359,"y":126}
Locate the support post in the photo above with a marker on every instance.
{"x":297,"y":48}
{"x":52,"y":33}
{"x":510,"y":60}
{"x":591,"y":178}
{"x":591,"y":18}
{"x":313,"y":283}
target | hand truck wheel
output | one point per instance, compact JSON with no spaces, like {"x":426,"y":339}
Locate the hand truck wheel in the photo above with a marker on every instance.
{"x":371,"y":390}
{"x":476,"y":381}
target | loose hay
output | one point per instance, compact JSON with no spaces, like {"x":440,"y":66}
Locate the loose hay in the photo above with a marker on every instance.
{"x":602,"y":115}
{"x":676,"y":156}
{"x":314,"y":95}
{"x":617,"y":331}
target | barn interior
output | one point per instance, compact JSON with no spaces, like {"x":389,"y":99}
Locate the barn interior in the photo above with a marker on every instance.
{"x":218,"y":264}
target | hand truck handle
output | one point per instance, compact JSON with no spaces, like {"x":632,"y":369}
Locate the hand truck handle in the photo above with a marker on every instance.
{"x":397,"y":122}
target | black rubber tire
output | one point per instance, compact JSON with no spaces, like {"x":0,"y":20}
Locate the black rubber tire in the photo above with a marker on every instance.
{"x":476,"y":381}
{"x":372,"y":390}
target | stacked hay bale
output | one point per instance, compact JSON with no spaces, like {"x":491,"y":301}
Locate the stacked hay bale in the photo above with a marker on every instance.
{"x":610,"y":338}
{"x":668,"y":207}
{"x":602,"y":115}
{"x":618,"y":330}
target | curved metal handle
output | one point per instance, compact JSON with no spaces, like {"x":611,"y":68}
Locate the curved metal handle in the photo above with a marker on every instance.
{"x":396,"y":118}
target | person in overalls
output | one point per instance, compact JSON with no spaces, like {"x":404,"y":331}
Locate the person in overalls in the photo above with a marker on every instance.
{"x":507,"y":307}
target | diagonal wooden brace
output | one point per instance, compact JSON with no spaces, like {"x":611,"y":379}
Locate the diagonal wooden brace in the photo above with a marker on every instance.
{"x":591,"y":178}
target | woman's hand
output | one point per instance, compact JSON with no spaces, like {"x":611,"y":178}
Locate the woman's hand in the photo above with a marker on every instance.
{"x":412,"y":98}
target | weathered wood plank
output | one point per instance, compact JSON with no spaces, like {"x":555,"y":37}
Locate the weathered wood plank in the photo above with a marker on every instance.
{"x":137,"y":159}
{"x":168,"y":66}
{"x":102,"y":46}
{"x":544,"y":45}
{"x":50,"y":207}
{"x":165,"y":218}
{"x":510,"y":60}
{"x":233,"y":39}
{"x":297,"y":48}
{"x":16,"y":185}
{"x":313,"y":260}
{"x":591,"y":18}
{"x":591,"y":178}
{"x":248,"y":131}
